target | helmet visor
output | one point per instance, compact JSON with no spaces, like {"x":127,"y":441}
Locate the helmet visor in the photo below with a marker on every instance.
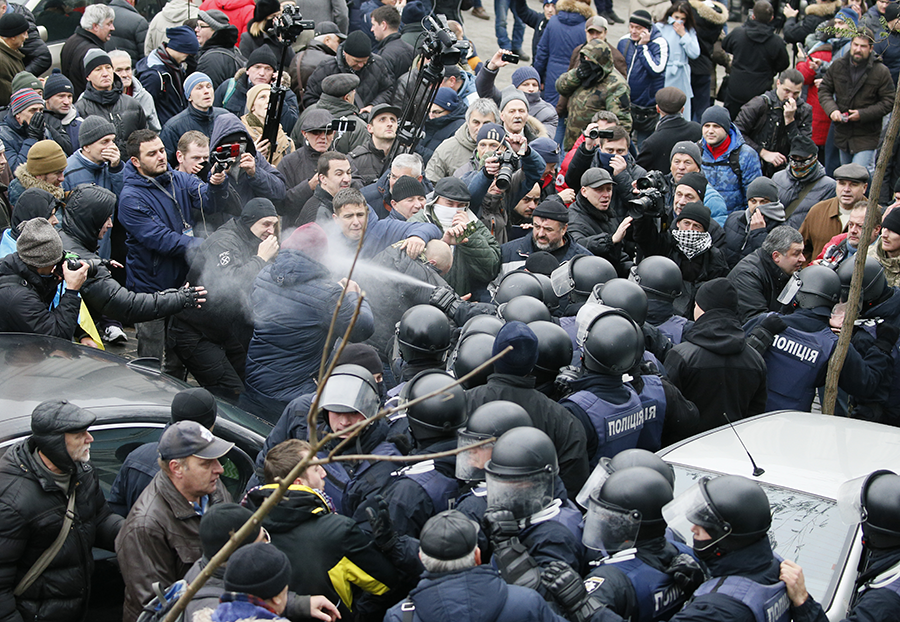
{"x":522,"y":495}
{"x":470,"y":462}
{"x":586,"y":316}
{"x":849,"y":500}
{"x":561,"y":279}
{"x":346,"y":393}
{"x":608,"y":528}
{"x":599,"y":475}
{"x":692,"y":508}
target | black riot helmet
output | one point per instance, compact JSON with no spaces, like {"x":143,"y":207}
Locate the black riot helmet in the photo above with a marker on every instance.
{"x":522,"y":472}
{"x":473,"y":350}
{"x":623,"y":460}
{"x":626,"y":295}
{"x":518,"y":283}
{"x":614,"y":343}
{"x":424,"y":332}
{"x":659,"y":276}
{"x":554,"y":349}
{"x":439,"y":416}
{"x":524,"y":309}
{"x":50,"y":421}
{"x":732,"y":509}
{"x":874,"y":283}
{"x":819,"y":287}
{"x":488,"y":324}
{"x":880,"y":502}
{"x":626,"y":509}
{"x":550,"y":297}
{"x":492,"y":419}
{"x":587,"y":272}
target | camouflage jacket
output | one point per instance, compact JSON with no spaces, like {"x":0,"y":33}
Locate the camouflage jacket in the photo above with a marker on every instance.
{"x":608,"y":91}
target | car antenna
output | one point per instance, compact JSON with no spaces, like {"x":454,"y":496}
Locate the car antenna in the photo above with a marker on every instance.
{"x":756,"y":470}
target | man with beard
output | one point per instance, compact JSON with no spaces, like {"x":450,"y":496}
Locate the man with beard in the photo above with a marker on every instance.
{"x":370,"y":159}
{"x":549,"y":233}
{"x":49,"y":487}
{"x":843,"y":246}
{"x":212,"y":341}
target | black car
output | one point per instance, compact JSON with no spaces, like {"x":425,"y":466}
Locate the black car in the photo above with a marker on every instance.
{"x":132,"y":404}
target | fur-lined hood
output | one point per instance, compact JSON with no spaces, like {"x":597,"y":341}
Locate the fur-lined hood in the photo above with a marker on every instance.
{"x":712,"y":11}
{"x":573,"y":6}
{"x":823,"y":9}
{"x":30,"y":181}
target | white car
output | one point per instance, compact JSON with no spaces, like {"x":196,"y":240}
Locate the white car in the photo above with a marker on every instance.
{"x":804,"y":458}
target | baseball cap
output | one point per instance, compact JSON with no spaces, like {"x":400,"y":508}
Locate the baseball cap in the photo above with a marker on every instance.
{"x":189,"y":438}
{"x":329,"y":28}
{"x":596,"y":177}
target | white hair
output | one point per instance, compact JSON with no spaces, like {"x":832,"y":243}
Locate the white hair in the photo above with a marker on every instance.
{"x":116,"y":53}
{"x":409,"y":161}
{"x":453,"y":565}
{"x":96,"y":14}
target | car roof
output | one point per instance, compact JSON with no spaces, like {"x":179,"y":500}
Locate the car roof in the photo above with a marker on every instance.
{"x":811,"y":452}
{"x":36,"y":368}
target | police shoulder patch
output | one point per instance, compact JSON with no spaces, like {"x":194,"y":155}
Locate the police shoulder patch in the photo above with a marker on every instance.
{"x":591,"y":584}
{"x":225,"y":258}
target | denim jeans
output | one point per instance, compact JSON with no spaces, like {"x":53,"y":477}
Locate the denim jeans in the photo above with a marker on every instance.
{"x":865,"y":158}
{"x":501,"y":8}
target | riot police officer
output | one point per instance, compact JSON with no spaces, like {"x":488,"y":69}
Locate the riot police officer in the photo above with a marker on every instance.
{"x":529,"y":521}
{"x":422,"y":340}
{"x":874,"y":501}
{"x":727,"y":519}
{"x":423,"y":489}
{"x":643,"y":577}
{"x":576,"y":279}
{"x":554,"y":352}
{"x":524,"y":309}
{"x":623,"y":460}
{"x":660,"y":278}
{"x":797,"y":359}
{"x":610,"y":410}
{"x":628,"y":296}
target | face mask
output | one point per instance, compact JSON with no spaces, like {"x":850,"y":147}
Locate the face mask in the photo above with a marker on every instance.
{"x":802,"y":168}
{"x":704,"y":551}
{"x":692,"y":243}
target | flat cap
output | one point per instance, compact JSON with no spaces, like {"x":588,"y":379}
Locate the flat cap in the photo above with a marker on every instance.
{"x":852,"y":172}
{"x":340,"y":84}
{"x":316,"y":119}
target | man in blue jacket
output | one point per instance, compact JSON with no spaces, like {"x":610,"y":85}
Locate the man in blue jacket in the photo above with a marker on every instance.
{"x":646,"y":52}
{"x":98,"y":160}
{"x":155,"y":209}
{"x":728,"y":163}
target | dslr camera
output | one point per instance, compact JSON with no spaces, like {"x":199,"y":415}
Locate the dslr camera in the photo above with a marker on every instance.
{"x":651,"y":196}
{"x":73,"y":262}
{"x":290,"y":24}
{"x":509,"y":164}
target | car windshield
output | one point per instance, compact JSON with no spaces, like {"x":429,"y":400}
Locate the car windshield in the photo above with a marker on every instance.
{"x":805,"y":529}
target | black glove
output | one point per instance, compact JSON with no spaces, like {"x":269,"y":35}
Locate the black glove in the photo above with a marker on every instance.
{"x":190,"y":296}
{"x":686,"y":572}
{"x":586,"y":70}
{"x":446,"y":300}
{"x":599,"y":244}
{"x":566,"y":376}
{"x":886,"y":336}
{"x":500,"y":526}
{"x":762,"y":337}
{"x":567,"y":588}
{"x":36,"y":126}
{"x":382,"y":525}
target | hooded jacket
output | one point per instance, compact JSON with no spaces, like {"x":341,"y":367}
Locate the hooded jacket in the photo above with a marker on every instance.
{"x":341,"y":559}
{"x":789,"y":189}
{"x":759,"y":281}
{"x":80,"y":170}
{"x":163,"y":78}
{"x":710,"y":17}
{"x":376,"y":82}
{"x":450,"y":154}
{"x":293,"y":300}
{"x":646,"y":66}
{"x":174,"y":13}
{"x":719,"y":174}
{"x":155,"y":223}
{"x":239,"y":12}
{"x":131,"y":30}
{"x":268,"y":181}
{"x":25,"y":298}
{"x":219,"y":57}
{"x":87,"y":209}
{"x":476,"y":594}
{"x":123,"y":111}
{"x":32,"y":506}
{"x":563,"y":33}
{"x":232,"y":96}
{"x":440,"y":129}
{"x":759,"y":54}
{"x":716,"y":370}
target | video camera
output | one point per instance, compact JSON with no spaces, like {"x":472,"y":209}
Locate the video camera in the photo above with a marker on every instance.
{"x":440,"y":44}
{"x":288,"y":26}
{"x":595,"y":132}
{"x":225,"y":156}
{"x":651,"y":198}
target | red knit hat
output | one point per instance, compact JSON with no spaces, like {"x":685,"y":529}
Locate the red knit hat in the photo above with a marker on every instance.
{"x":310,"y":239}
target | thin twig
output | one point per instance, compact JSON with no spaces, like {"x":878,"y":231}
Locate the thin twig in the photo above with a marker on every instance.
{"x":410,"y":458}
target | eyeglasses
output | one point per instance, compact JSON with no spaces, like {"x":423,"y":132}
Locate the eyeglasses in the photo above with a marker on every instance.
{"x":319,"y":132}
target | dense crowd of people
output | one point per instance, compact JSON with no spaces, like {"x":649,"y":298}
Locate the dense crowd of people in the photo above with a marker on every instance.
{"x":640,"y":262}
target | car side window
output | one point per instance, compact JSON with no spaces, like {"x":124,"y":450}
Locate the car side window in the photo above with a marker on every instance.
{"x":61,"y":17}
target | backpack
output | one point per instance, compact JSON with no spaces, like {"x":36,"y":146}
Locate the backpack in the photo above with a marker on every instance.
{"x":734,"y":161}
{"x":157,"y":609}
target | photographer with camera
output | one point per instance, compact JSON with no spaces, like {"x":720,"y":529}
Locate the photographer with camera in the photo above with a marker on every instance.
{"x":29,"y":279}
{"x":510,"y":168}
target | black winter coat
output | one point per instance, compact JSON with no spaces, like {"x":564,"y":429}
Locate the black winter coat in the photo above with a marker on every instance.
{"x":368,"y":161}
{"x":130,"y":33}
{"x":25,"y":298}
{"x":188,"y":119}
{"x":759,"y":54}
{"x":32,"y":506}
{"x":298,"y":167}
{"x":398,"y":53}
{"x":71,"y":58}
{"x":566,"y":432}
{"x":657,"y":147}
{"x":219,"y":58}
{"x":710,"y":19}
{"x":38,"y":58}
{"x":761,"y":123}
{"x":440,"y":129}
{"x":740,"y":241}
{"x":101,"y":293}
{"x":716,"y":370}
{"x":759,"y":281}
{"x":121,"y":110}
{"x":594,"y":230}
{"x":376,"y":82}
